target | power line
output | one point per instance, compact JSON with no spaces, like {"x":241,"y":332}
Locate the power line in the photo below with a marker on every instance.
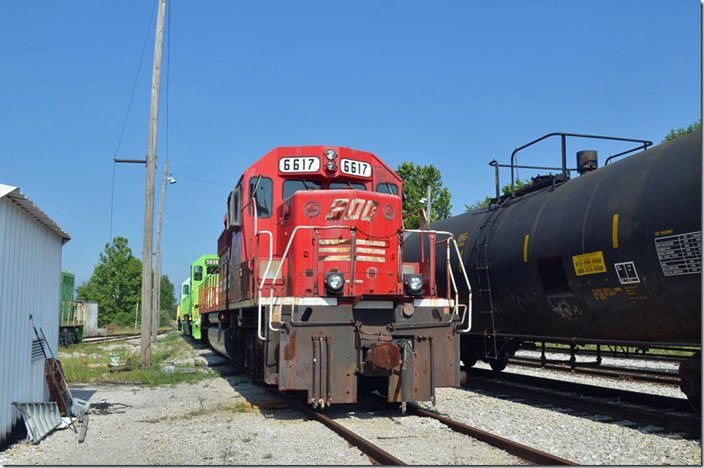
{"x":127,"y":114}
{"x":201,"y":180}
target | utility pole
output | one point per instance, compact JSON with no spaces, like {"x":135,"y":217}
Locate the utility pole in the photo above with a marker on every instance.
{"x":427,"y":211}
{"x":156,"y":302}
{"x":145,"y":355}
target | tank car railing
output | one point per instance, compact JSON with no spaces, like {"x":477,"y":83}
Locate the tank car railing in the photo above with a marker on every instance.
{"x":457,"y":306}
{"x":563,"y":136}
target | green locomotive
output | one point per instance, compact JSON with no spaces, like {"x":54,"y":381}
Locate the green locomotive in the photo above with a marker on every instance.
{"x":189,"y":319}
{"x":72,"y":315}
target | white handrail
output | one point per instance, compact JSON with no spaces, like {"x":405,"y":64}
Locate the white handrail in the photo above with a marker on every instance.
{"x":266,"y":271}
{"x":276,"y":275}
{"x":464,"y":272}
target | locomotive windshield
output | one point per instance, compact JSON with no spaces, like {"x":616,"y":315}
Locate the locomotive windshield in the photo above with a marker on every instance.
{"x":262,"y":189}
{"x":387,"y":187}
{"x":341,"y":185}
{"x":292,"y":186}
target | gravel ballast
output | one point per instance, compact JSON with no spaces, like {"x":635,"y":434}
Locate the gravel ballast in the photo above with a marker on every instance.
{"x":232,"y":421}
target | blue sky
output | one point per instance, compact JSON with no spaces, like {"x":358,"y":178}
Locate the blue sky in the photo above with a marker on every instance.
{"x":452,"y":83}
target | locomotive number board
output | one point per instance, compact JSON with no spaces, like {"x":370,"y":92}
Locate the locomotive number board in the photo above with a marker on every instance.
{"x":355,"y":168}
{"x":299,"y":164}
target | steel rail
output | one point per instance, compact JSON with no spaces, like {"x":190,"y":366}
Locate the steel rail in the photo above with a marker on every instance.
{"x":514,"y":448}
{"x":94,"y":339}
{"x":641,"y":375}
{"x":543,"y":390}
{"x":375,"y":453}
{"x":607,"y":353}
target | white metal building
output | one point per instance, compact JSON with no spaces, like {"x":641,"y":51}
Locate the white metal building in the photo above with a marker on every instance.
{"x":30,"y":275}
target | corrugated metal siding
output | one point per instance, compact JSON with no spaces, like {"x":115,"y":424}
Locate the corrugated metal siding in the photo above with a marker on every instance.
{"x":30,"y":267}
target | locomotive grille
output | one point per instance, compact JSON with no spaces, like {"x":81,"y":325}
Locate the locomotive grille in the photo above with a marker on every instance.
{"x":339,"y":250}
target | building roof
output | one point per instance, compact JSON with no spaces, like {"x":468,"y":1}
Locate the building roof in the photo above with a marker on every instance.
{"x":14,"y":194}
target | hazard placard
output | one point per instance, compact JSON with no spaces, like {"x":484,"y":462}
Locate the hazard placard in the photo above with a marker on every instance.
{"x":589,"y":263}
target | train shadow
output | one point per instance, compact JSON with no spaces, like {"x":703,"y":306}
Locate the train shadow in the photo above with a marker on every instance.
{"x":257,"y":395}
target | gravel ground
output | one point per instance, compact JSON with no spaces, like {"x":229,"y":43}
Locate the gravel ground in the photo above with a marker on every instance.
{"x":218,"y":421}
{"x":230,"y":421}
{"x":583,"y":438}
{"x":421,"y":441}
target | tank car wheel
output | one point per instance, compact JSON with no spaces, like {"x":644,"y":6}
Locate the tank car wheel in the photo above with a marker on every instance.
{"x":690,"y":372}
{"x":497,"y":365}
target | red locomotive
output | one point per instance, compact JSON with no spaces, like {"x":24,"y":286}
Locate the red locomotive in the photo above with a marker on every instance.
{"x":313,"y":293}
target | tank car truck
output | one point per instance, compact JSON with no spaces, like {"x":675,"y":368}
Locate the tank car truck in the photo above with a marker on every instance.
{"x":313,"y":294}
{"x":610,"y":257}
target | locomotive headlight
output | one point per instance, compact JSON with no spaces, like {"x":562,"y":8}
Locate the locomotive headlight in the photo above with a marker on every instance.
{"x":330,"y":154}
{"x":334,"y":282}
{"x":330,"y":165}
{"x":414,"y":284}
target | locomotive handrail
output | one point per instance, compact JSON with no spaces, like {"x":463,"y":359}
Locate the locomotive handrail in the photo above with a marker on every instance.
{"x":452,"y":276}
{"x":643,"y":143}
{"x":257,"y":233}
{"x":278,"y":271}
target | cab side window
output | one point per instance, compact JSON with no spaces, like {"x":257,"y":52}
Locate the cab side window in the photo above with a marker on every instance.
{"x":185,"y":290}
{"x":387,"y":187}
{"x":262,"y":188}
{"x":197,"y":273}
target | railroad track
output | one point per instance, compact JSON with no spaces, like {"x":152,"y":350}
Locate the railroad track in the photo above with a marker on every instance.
{"x":94,"y":339}
{"x":379,"y":456}
{"x":605,"y":353}
{"x":624,"y":373}
{"x":671,"y":414}
{"x":524,"y":452}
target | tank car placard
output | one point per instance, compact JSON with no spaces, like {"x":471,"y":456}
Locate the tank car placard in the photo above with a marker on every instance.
{"x":680,"y":254}
{"x":626,"y":272}
{"x":589,"y":263}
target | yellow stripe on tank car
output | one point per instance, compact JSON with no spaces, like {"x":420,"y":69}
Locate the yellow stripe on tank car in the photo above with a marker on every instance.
{"x":614,"y":232}
{"x":525,"y":248}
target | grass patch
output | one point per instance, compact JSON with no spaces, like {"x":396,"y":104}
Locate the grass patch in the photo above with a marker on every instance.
{"x":89,"y":363}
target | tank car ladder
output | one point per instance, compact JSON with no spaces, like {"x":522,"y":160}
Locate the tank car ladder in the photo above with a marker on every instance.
{"x":486,"y":305}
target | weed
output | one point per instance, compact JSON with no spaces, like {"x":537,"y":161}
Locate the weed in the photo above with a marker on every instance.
{"x":88,"y":362}
{"x":268,"y":456}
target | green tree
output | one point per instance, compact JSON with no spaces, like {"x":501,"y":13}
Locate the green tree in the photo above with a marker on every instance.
{"x":116,"y":284}
{"x":416,"y":179}
{"x":697,"y":125}
{"x":506,"y":189}
{"x":168,"y":301}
